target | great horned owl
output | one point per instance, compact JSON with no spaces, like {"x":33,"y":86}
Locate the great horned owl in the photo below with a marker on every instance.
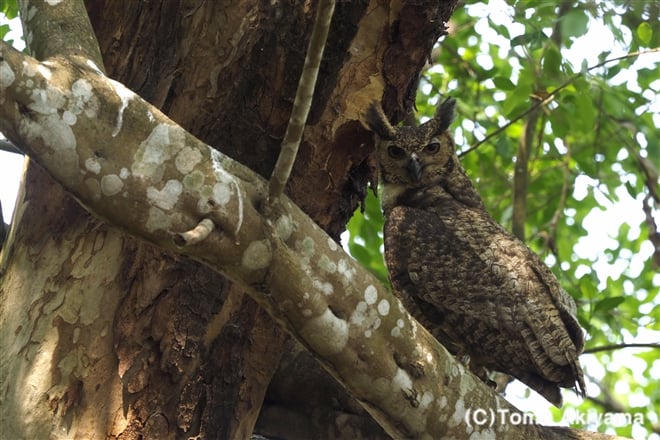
{"x":479,"y":290}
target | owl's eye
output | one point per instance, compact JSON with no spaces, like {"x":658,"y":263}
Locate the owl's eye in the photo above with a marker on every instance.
{"x":433,"y":147}
{"x":395,"y":152}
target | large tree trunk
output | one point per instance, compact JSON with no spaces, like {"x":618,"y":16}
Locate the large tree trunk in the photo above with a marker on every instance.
{"x":103,"y":335}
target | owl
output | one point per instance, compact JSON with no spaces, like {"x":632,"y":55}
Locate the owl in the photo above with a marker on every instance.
{"x":479,"y":290}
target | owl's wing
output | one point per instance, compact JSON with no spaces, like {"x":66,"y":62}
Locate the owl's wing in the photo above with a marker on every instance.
{"x":490,"y":293}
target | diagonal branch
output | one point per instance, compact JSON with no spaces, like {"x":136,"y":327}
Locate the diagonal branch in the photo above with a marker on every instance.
{"x":613,"y":347}
{"x":303,"y":100}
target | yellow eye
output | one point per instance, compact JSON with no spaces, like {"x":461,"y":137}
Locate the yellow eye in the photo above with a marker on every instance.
{"x":433,"y":147}
{"x":395,"y":152}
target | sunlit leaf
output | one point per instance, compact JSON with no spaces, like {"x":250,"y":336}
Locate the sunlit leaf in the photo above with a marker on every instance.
{"x":503,"y":83}
{"x":574,"y":23}
{"x":644,"y":32}
{"x":607,"y":304}
{"x":551,"y":61}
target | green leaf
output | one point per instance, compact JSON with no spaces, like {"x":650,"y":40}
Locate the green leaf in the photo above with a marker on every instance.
{"x":605,"y":305}
{"x":551,"y":61}
{"x":574,"y":23}
{"x":644,"y":33}
{"x":9,"y":9}
{"x":503,"y":83}
{"x":4,"y":28}
{"x":532,"y":39}
{"x":586,"y":113}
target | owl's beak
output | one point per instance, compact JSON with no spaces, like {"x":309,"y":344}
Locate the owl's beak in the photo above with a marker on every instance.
{"x":415,"y":168}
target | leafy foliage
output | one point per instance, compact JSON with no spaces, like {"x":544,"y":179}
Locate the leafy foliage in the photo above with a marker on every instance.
{"x":594,"y":152}
{"x":8,"y":9}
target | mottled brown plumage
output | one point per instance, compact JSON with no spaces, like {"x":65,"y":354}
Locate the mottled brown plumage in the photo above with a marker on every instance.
{"x":476,"y":287}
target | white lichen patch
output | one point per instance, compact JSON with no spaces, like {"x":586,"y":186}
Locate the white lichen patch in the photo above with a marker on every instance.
{"x":401,"y":381}
{"x":223,"y":176}
{"x":124,"y":173}
{"x":284,"y":227}
{"x":193,"y":181}
{"x":166,"y":197}
{"x":396,"y":331}
{"x":46,"y":101}
{"x":125,"y":96}
{"x":326,"y":333}
{"x":332,"y":244}
{"x":83,"y":99}
{"x":7,"y":75}
{"x":458,"y":416}
{"x":158,"y":220}
{"x":326,"y":264}
{"x":54,"y":112}
{"x":93,"y":165}
{"x":57,"y":135}
{"x":187,"y":159}
{"x":359,"y":315}
{"x":307,"y":247}
{"x":324,"y":287}
{"x":345,"y":269}
{"x":221,"y":193}
{"x":426,"y":400}
{"x":365,"y":318}
{"x":370,"y":294}
{"x":45,"y":71}
{"x":257,"y":256}
{"x":383,"y":307}
{"x":69,"y":118}
{"x":53,"y":2}
{"x":111,"y":185}
{"x":149,"y":161}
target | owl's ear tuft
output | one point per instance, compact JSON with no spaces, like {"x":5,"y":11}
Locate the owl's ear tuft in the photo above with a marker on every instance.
{"x":444,"y":115}
{"x":378,"y":123}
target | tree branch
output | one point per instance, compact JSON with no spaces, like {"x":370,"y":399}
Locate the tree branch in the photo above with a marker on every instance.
{"x":613,"y":347}
{"x":303,"y":100}
{"x":521,"y":176}
{"x":60,"y":29}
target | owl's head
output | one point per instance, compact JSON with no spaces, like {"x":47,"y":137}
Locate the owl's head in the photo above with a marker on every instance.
{"x":413,"y":156}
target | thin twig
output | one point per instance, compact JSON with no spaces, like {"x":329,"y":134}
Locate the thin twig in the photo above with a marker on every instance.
{"x":563,"y":195}
{"x":552,"y":94}
{"x":302,"y":102}
{"x":620,"y":346}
